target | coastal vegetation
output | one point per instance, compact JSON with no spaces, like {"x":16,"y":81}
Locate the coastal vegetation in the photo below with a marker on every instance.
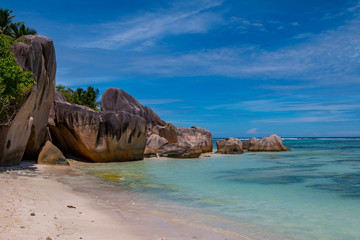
{"x":86,"y":97}
{"x":13,"y":29}
{"x":21,"y":30}
{"x":15,"y":83}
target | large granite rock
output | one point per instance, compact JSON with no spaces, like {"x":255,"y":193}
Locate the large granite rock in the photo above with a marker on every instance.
{"x":189,"y":143}
{"x":117,"y":100}
{"x":28,"y":131}
{"x":50,"y":154}
{"x":229,"y":146}
{"x":247,"y":143}
{"x":97,"y":136}
{"x":119,"y":132}
{"x":272,"y":143}
{"x":169,"y":132}
{"x":197,"y":138}
{"x":164,"y":139}
{"x":153,"y":144}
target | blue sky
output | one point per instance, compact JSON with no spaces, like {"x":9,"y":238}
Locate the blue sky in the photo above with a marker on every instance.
{"x":235,"y":67}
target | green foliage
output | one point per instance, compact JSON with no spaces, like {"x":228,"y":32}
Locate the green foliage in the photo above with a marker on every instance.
{"x":18,"y":30}
{"x":14,"y":30}
{"x":5,"y":21}
{"x":15,"y":83}
{"x":80,"y":96}
{"x":67,"y":92}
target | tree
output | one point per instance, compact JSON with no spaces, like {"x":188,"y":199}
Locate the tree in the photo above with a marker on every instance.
{"x":15,"y":30}
{"x":15,"y":83}
{"x":67,"y":92}
{"x":89,"y":97}
{"x":5,"y":21}
{"x":18,"y":30}
{"x":80,"y":96}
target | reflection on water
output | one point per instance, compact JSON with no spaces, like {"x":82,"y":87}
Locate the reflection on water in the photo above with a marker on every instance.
{"x":311,"y":192}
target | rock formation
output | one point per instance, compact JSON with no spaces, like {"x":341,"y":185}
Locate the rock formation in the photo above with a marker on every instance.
{"x":28,"y":131}
{"x":272,"y":143}
{"x":196,"y":137}
{"x":229,"y":146}
{"x":164,"y":139}
{"x":117,"y":100}
{"x":118,"y":133}
{"x":153,"y":144}
{"x":247,"y":143}
{"x":169,"y":132}
{"x":97,"y":136}
{"x":50,"y":154}
{"x":179,"y":151}
{"x":180,"y":142}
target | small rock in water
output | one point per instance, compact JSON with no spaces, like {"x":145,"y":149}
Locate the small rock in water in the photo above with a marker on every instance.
{"x":48,"y":238}
{"x":32,"y":214}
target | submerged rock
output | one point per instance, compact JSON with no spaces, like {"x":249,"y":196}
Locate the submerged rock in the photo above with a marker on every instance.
{"x":272,"y":143}
{"x":229,"y":146}
{"x":51,"y":155}
{"x":179,"y":151}
{"x":97,"y":136}
{"x":28,"y":131}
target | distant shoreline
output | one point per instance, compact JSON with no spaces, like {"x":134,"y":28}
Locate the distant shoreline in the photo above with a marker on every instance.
{"x":290,"y":138}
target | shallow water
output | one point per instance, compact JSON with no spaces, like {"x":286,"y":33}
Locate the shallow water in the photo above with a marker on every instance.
{"x":311,"y":192}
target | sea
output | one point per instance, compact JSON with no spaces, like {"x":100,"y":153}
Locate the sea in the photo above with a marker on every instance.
{"x":311,"y":192}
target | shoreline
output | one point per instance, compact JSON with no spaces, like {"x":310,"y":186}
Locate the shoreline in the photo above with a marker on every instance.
{"x":36,"y":206}
{"x":41,"y":202}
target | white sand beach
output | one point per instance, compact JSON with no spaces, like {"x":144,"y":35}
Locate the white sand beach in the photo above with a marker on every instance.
{"x":35,"y":205}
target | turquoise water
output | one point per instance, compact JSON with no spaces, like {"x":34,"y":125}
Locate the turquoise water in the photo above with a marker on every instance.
{"x":311,"y":192}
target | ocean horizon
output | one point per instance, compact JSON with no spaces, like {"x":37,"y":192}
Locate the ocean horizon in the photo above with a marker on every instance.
{"x":294,"y":138}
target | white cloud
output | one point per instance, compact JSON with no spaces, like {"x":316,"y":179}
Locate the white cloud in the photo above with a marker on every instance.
{"x":71,"y":81}
{"x":301,"y":111}
{"x":158,"y":101}
{"x":328,"y":58}
{"x":277,"y":106}
{"x":144,"y":29}
{"x":311,"y":119}
{"x":280,"y":105}
{"x":347,"y":133}
{"x":252,"y":131}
